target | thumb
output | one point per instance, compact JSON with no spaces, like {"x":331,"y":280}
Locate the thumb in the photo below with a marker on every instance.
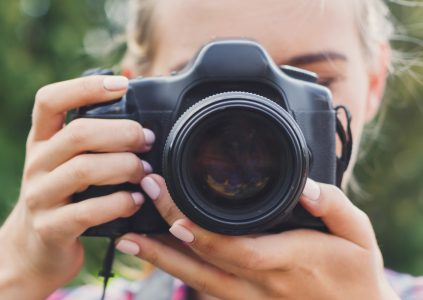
{"x":339,"y":214}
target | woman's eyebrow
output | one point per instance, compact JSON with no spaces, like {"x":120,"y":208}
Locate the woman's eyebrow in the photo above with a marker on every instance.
{"x":315,"y":58}
{"x":294,"y":61}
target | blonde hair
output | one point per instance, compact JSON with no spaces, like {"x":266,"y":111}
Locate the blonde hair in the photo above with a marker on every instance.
{"x":374,"y":25}
{"x":139,"y":31}
{"x":373,"y":20}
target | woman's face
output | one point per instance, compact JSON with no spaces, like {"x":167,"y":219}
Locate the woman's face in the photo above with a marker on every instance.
{"x":320,"y":36}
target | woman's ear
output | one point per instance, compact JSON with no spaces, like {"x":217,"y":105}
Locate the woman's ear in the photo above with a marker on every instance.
{"x":378,"y":75}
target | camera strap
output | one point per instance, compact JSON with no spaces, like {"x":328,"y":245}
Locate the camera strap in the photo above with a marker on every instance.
{"x":106,"y":272}
{"x":345,"y":136}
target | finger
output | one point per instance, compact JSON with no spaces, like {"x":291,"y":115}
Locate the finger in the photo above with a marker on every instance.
{"x":155,"y":187}
{"x":341,"y":217}
{"x":82,"y":171}
{"x":175,"y":243}
{"x":197,"y":274}
{"x":94,"y":135}
{"x":71,"y":220}
{"x":234,"y":251}
{"x":54,"y":100}
{"x":237,"y":254}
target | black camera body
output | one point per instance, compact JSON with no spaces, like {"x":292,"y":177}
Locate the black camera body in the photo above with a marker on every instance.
{"x":236,"y":138}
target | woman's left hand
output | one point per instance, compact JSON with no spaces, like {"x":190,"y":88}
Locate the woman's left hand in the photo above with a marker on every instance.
{"x":297,"y":264}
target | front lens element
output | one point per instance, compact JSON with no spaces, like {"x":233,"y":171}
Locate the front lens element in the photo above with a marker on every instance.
{"x":233,"y":159}
{"x":235,"y":163}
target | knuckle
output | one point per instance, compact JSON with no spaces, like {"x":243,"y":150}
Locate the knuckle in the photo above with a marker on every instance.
{"x":77,"y":132}
{"x":32,"y":198}
{"x":134,"y":163}
{"x":82,"y":217}
{"x":205,"y":245}
{"x":153,"y":257}
{"x":170,"y":212}
{"x":43,"y":228}
{"x":132,"y":133}
{"x":80,"y":168}
{"x":43,"y":99}
{"x":31,"y":168}
{"x":253,"y":260}
{"x":126,"y":204}
{"x":132,"y":167}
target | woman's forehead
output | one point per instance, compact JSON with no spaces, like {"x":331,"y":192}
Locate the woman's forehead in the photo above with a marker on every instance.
{"x":284,"y":27}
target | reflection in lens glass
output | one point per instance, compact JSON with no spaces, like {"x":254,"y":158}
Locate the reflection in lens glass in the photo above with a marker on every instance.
{"x":235,"y":159}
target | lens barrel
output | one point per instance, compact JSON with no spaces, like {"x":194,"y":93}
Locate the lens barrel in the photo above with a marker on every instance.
{"x":235,"y":163}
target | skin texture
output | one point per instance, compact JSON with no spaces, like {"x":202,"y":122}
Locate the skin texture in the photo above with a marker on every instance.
{"x":180,"y":31}
{"x":40,"y":237}
{"x":41,"y":250}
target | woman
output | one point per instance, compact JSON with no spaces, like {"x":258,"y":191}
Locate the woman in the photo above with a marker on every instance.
{"x":345,"y":42}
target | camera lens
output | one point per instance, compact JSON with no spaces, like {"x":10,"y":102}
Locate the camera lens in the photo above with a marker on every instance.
{"x":232,"y":159}
{"x":235,"y":163}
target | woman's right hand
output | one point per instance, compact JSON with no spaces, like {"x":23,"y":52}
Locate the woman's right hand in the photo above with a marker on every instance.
{"x":40,"y":243}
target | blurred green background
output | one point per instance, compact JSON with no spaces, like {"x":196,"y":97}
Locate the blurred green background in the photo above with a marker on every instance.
{"x":44,"y":41}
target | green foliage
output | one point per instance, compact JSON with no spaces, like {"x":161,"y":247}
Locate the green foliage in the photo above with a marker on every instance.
{"x":33,"y":53}
{"x":52,"y":46}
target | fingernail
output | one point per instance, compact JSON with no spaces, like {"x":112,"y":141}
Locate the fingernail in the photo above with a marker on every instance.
{"x":115,"y":83}
{"x":128,"y":247}
{"x":149,"y":136}
{"x":180,"y":232}
{"x":147,"y":167}
{"x":150,"y":187}
{"x":311,"y":190}
{"x":138,"y":198}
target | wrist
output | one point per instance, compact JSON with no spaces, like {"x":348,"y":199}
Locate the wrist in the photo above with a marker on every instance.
{"x":15,"y":285}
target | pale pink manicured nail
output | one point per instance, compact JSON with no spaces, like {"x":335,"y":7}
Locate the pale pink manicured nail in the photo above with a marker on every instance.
{"x":147,"y":167}
{"x":149,"y":137}
{"x":311,"y":190}
{"x":150,"y":187}
{"x":138,"y":198}
{"x":181,"y":233}
{"x":115,"y":83}
{"x":128,"y":247}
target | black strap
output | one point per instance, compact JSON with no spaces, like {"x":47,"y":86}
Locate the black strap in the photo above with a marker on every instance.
{"x":345,"y":136}
{"x":106,"y":272}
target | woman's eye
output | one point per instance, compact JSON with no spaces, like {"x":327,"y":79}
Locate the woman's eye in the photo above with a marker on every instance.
{"x":327,"y":82}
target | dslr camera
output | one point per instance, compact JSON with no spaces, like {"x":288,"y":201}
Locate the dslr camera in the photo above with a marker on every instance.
{"x":236,"y":138}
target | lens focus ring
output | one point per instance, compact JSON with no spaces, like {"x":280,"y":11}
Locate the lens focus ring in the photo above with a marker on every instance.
{"x":235,"y":163}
